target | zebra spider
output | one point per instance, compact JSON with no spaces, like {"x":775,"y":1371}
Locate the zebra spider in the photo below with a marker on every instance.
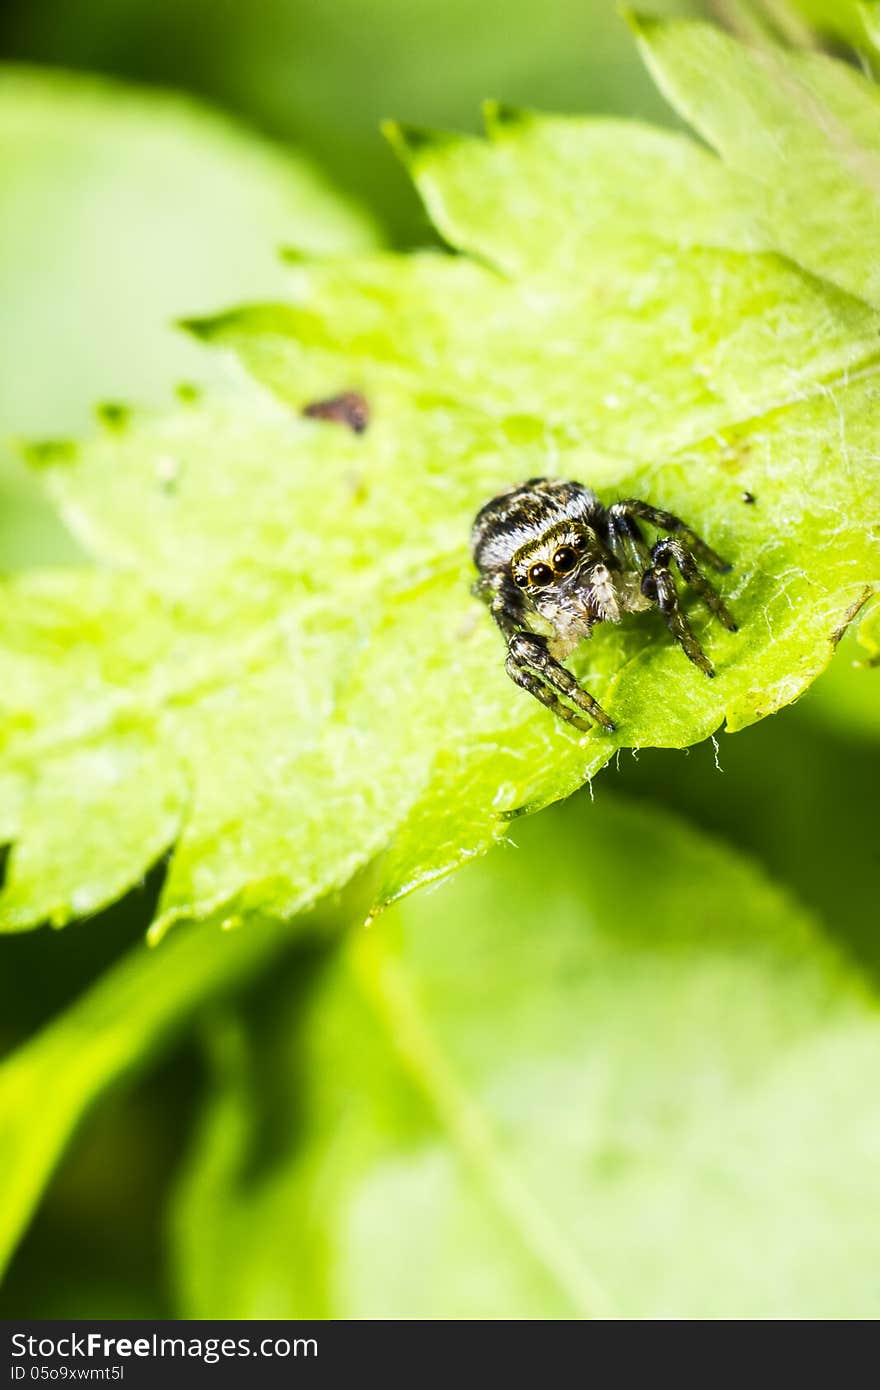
{"x":553,"y":562}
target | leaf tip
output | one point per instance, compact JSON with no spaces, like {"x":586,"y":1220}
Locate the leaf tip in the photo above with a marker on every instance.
{"x":409,"y":142}
{"x":644,"y":27}
{"x":157,"y":930}
{"x":640,"y":22}
{"x":499,"y":116}
{"x":205,"y":329}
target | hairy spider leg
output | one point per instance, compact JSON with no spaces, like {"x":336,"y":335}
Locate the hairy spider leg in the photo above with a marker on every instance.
{"x":669,"y":551}
{"x":505,"y":605}
{"x":624,"y":531}
{"x":529,"y":653}
{"x":527,"y":680}
{"x":530,"y":665}
{"x":659,"y":586}
{"x":668,"y":521}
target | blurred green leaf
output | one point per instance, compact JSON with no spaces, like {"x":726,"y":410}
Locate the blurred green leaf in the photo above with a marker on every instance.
{"x":851,"y":21}
{"x":869,"y":14}
{"x":121,"y":210}
{"x":797,"y":792}
{"x":279,"y":667}
{"x":572,"y":1082}
{"x":131,"y":1015}
{"x":96,"y":1245}
{"x":323,"y":76}
{"x":801,"y":128}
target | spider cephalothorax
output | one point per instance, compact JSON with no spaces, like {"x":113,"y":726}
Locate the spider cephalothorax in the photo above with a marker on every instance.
{"x":554,"y":561}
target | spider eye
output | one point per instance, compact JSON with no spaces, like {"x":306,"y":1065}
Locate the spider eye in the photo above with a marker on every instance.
{"x":565,"y":559}
{"x":540,"y":575}
{"x":579,"y":541}
{"x":521,"y":580}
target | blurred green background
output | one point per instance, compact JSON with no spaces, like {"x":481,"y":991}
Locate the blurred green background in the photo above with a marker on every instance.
{"x":323,"y":76}
{"x":108,"y":230}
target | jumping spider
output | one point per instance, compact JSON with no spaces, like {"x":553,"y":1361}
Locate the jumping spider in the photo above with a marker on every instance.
{"x":553,"y":562}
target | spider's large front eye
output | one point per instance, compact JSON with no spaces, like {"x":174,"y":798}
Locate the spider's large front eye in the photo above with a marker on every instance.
{"x":540,"y":575}
{"x":565,"y":559}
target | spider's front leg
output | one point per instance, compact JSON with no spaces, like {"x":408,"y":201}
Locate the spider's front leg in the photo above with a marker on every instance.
{"x":527,"y":680}
{"x":530,"y":664}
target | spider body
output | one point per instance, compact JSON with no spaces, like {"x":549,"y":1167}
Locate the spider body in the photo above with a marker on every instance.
{"x":553,"y":562}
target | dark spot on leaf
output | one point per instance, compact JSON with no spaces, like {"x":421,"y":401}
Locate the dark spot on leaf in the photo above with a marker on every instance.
{"x":349,"y":408}
{"x":749,"y":498}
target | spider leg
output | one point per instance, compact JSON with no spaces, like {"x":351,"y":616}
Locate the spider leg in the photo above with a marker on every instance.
{"x":670,"y":551}
{"x":505,"y":605}
{"x":667,"y":521}
{"x":530,"y":663}
{"x":527,"y":680}
{"x":659,"y":586}
{"x":624,"y":533}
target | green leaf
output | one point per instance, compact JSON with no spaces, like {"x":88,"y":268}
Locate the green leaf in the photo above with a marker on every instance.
{"x":120,"y":211}
{"x":847,"y":698}
{"x":803,"y":129}
{"x":847,"y":20}
{"x":278,"y":666}
{"x":519,"y":1097}
{"x":869,"y":14}
{"x":797,"y":795}
{"x":552,"y":192}
{"x":131,"y":1015}
{"x":869,"y":634}
{"x":322,"y":78}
